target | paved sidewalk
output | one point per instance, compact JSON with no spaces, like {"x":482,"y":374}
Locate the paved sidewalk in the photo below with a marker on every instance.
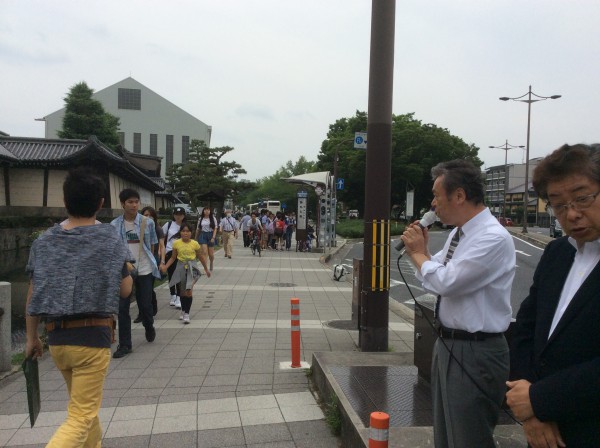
{"x":222,"y":380}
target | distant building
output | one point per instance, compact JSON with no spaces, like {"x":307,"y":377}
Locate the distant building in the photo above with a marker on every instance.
{"x":32,"y":172}
{"x":505,"y":185}
{"x":150,"y":124}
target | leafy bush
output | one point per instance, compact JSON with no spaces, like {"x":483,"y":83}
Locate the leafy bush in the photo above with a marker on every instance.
{"x":355,"y":228}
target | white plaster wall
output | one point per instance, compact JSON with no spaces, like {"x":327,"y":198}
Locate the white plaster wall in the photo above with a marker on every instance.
{"x":56,"y":178}
{"x":26,"y":187}
{"x":117,"y":184}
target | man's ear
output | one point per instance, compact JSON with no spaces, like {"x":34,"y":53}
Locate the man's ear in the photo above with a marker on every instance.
{"x":461,"y":196}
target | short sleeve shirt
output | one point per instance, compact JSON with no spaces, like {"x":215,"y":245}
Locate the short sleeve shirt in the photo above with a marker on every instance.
{"x":186,"y":251}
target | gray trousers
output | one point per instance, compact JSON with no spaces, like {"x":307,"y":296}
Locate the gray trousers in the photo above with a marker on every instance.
{"x":463,"y":417}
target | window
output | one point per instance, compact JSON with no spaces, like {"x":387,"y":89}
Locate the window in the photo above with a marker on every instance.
{"x":185,"y":148}
{"x":122,"y":138}
{"x":153,"y":144}
{"x":137,"y":142}
{"x":130,"y":99}
{"x":169,"y":151}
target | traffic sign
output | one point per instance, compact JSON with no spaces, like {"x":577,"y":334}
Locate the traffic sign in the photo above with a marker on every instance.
{"x":340,"y":184}
{"x":360,"y":140}
{"x":283,"y":205}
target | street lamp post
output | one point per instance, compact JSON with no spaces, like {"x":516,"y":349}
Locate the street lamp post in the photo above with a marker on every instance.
{"x":505,"y":147}
{"x":336,"y":159}
{"x":529,"y":100}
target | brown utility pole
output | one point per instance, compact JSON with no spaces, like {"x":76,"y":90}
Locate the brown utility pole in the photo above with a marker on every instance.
{"x":376,"y":273}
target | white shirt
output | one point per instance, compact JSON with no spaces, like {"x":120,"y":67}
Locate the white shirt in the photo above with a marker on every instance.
{"x":586,"y":259}
{"x":475,"y":284}
{"x":142,"y":263}
{"x":172,"y":230}
{"x":244,"y":222}
{"x":228,"y":224}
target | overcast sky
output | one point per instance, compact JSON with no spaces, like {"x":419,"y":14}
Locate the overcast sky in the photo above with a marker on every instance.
{"x":270,"y":76}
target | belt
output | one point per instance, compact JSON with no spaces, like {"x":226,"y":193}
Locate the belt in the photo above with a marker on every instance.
{"x":449,"y":333}
{"x":80,"y":323}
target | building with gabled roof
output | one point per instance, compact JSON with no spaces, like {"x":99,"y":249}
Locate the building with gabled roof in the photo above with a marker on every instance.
{"x":32,"y":172}
{"x":150,"y":124}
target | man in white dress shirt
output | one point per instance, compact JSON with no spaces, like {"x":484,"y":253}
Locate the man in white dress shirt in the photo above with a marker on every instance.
{"x":472,"y":278}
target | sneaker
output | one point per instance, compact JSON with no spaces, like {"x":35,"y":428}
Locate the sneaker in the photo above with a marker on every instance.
{"x":186,"y":318}
{"x":177,"y":302}
{"x":150,"y":334}
{"x":121,"y":351}
{"x":181,"y":315}
{"x":137,"y":320}
{"x":229,"y":256}
{"x":173,"y":300}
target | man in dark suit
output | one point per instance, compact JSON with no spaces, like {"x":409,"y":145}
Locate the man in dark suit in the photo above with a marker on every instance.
{"x":555,"y":356}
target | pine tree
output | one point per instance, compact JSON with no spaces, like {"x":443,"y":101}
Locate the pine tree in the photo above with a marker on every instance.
{"x":85,"y":116}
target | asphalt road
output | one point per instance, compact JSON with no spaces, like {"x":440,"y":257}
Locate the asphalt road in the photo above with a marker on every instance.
{"x":527,"y":255}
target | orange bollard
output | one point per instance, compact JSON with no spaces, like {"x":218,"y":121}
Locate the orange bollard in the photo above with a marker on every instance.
{"x":295,"y":332}
{"x":379,"y":430}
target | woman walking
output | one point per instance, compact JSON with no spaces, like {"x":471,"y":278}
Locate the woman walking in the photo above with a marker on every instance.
{"x":171,"y":232}
{"x":206,"y":233}
{"x":186,"y":251}
{"x":159,"y":253}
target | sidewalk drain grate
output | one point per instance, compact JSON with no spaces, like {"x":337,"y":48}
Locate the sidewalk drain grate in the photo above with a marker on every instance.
{"x":283,"y":285}
{"x":341,"y":325}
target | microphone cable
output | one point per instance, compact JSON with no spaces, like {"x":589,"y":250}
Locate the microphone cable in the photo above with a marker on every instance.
{"x":450,"y":352}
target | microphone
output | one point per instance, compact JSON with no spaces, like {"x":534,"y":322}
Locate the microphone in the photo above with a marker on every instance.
{"x":426,"y":221}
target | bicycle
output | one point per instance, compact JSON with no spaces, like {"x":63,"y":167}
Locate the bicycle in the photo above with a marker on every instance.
{"x":255,"y":242}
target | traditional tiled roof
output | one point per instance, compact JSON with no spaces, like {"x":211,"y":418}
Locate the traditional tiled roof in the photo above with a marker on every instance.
{"x":31,"y":151}
{"x":163,"y":190}
{"x":149,"y":165}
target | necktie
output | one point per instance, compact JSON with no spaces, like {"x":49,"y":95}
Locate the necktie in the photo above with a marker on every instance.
{"x":449,"y":254}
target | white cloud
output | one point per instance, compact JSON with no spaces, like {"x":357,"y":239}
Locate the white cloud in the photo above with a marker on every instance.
{"x":271,"y":76}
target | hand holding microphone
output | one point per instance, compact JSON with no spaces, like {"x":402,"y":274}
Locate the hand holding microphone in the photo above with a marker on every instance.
{"x":425,"y":222}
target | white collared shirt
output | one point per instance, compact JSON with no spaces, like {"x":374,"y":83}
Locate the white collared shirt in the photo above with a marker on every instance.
{"x":475,"y":284}
{"x":586,"y":259}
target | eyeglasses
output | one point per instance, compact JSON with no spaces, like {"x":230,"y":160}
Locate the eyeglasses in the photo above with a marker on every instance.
{"x":580,"y":203}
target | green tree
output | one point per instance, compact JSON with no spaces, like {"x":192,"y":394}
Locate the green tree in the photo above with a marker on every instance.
{"x":273,"y":187}
{"x":416,"y":148}
{"x":205,"y":172}
{"x":85,"y":116}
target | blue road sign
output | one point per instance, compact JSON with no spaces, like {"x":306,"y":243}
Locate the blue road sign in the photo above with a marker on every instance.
{"x":340,"y":184}
{"x":283,"y":206}
{"x":360,"y":140}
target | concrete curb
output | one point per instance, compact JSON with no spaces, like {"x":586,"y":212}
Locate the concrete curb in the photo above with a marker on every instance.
{"x":324,"y":259}
{"x":354,"y":434}
{"x":536,"y":239}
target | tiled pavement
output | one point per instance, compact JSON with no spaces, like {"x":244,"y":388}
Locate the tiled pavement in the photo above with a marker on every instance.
{"x":222,"y":380}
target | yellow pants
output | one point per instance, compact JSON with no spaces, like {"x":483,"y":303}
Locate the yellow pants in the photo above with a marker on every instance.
{"x":84,"y":370}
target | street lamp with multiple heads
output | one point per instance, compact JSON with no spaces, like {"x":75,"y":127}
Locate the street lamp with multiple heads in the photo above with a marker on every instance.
{"x":505,"y":147}
{"x":527,"y":98}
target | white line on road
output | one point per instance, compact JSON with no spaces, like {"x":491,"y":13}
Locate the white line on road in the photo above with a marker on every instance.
{"x":528,"y":243}
{"x":523,"y":253}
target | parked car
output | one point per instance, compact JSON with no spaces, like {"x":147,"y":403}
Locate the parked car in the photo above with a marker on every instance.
{"x":556,"y":230}
{"x":506,"y":222}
